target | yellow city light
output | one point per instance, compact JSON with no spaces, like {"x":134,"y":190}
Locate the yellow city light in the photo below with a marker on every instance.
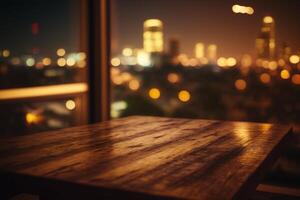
{"x":285,"y":74}
{"x":268,"y":19}
{"x":70,"y":105}
{"x":272,"y":65}
{"x":154,"y":93}
{"x":250,"y":11}
{"x":265,"y":64}
{"x":61,"y":52}
{"x":265,"y":78}
{"x":231,"y":62}
{"x":82,"y":56}
{"x":296,"y":79}
{"x":126,"y":76}
{"x":294,"y":59}
{"x":173,"y":78}
{"x":117,"y":80}
{"x":71,"y":62}
{"x":32,"y":118}
{"x":46,"y":61}
{"x":127,"y":52}
{"x":143,"y":58}
{"x":193,"y":62}
{"x":236,"y":8}
{"x":184,"y":96}
{"x":222,"y":62}
{"x":81,"y":63}
{"x":115,"y":62}
{"x":61,"y":62}
{"x":199,"y":50}
{"x":240,"y":84}
{"x":152,"y":22}
{"x":114,"y":71}
{"x":134,"y":84}
{"x":242,"y":9}
{"x":5,"y":53}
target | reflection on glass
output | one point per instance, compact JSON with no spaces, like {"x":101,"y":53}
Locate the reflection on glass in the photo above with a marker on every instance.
{"x":22,"y":118}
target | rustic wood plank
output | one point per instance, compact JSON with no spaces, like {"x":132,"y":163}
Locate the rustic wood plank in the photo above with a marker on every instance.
{"x":143,"y":157}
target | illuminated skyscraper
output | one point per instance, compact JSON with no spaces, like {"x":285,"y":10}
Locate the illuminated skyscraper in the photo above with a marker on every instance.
{"x":265,"y":43}
{"x":212,"y":53}
{"x":199,"y":50}
{"x":153,"y":36}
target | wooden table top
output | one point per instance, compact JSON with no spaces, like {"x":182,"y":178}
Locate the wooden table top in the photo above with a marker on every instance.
{"x":151,"y":156}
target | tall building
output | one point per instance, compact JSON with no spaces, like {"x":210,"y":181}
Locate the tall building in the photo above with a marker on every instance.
{"x":153,"y":36}
{"x":173,"y":47}
{"x":265,"y":43}
{"x":173,"y":51}
{"x":199,"y":50}
{"x":212,"y":53}
{"x":285,"y":51}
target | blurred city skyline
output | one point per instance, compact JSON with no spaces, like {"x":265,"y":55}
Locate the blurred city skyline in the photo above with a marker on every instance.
{"x":209,"y":22}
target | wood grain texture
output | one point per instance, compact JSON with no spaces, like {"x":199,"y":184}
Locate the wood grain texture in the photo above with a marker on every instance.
{"x":147,"y":156}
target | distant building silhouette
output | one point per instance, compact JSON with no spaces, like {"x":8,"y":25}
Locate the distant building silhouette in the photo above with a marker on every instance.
{"x":285,"y":51}
{"x":173,"y":51}
{"x":212,"y":53}
{"x":265,"y":43}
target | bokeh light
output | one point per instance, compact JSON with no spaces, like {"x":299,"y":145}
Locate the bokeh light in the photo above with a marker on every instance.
{"x":61,"y":62}
{"x":184,"y":96}
{"x":30,"y":62}
{"x":285,"y":74}
{"x":70,"y":105}
{"x":127,"y":52}
{"x":296,"y":79}
{"x":294,"y":59}
{"x":173,"y":78}
{"x":154,"y":93}
{"x":5,"y":53}
{"x":71,"y":62}
{"x":46,"y":61}
{"x":265,"y":78}
{"x":115,"y":62}
{"x":134,"y":84}
{"x":268,"y":19}
{"x":231,"y":61}
{"x":240,"y":84}
{"x":61,"y":52}
{"x":222,"y":62}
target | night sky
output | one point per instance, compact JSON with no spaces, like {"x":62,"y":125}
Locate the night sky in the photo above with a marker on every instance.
{"x":191,"y":21}
{"x":58,"y":24}
{"x":208,"y":21}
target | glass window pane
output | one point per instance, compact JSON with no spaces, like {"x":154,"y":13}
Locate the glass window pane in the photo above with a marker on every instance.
{"x":40,"y":43}
{"x":43,"y":72}
{"x":206,"y":59}
{"x":19,"y":118}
